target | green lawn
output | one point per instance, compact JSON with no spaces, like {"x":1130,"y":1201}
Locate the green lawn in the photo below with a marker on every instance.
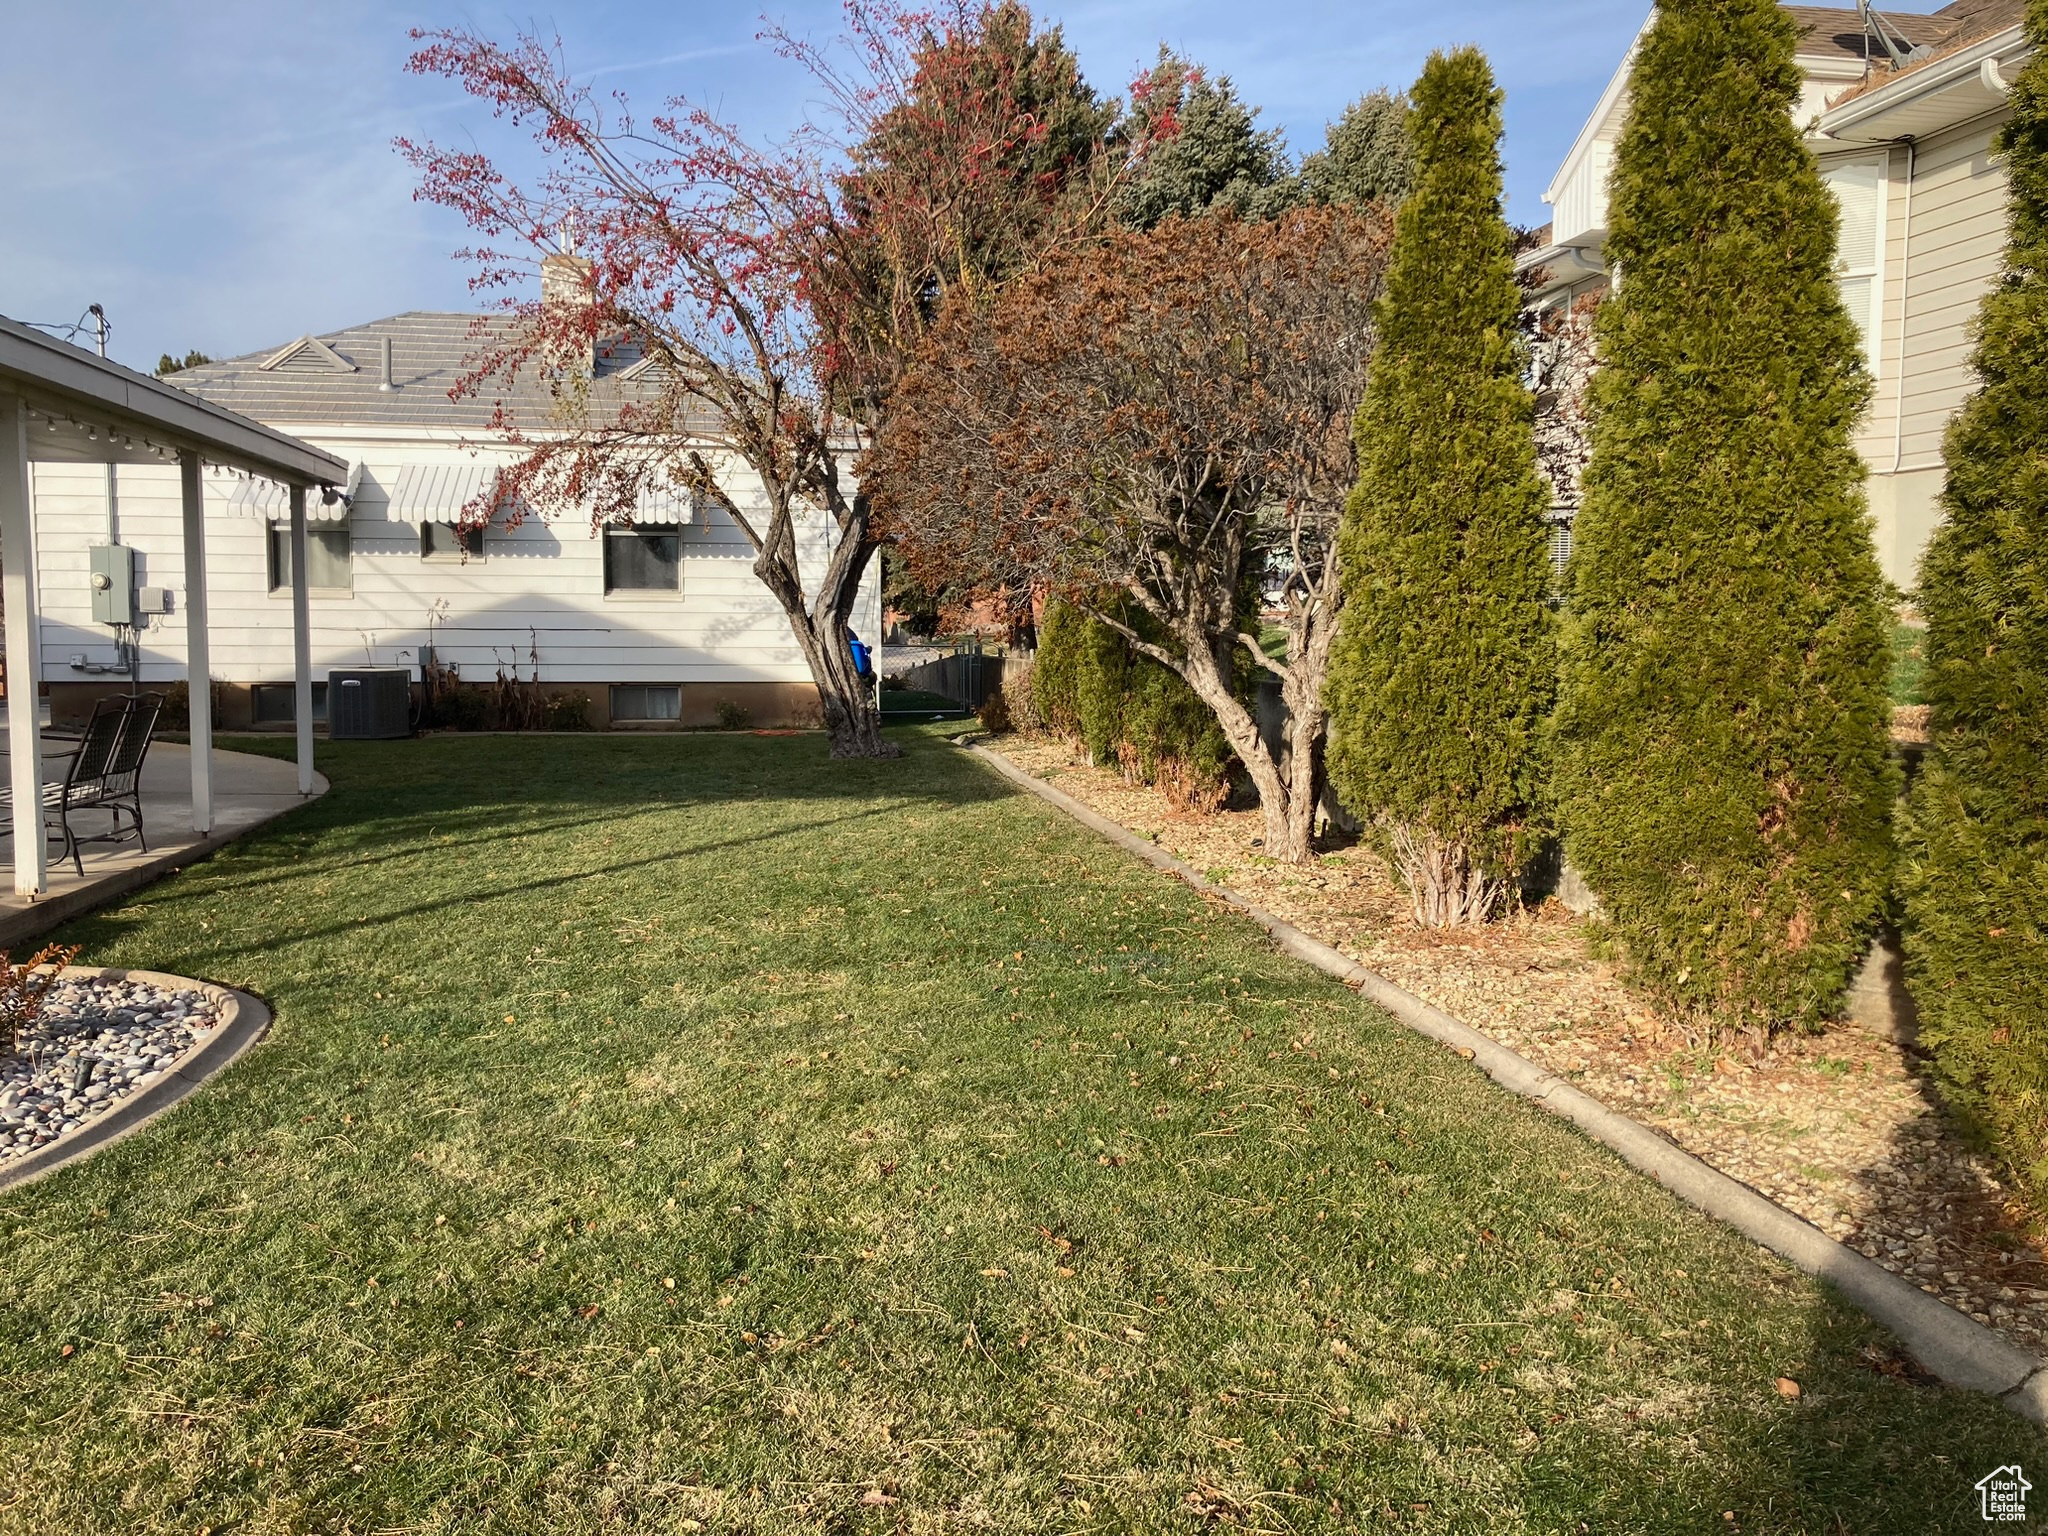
{"x":678,"y":1133}
{"x":1909,"y":662}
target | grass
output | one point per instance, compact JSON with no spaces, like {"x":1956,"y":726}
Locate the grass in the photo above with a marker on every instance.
{"x":682,"y":1133}
{"x":918,"y":701}
{"x":1909,"y":663}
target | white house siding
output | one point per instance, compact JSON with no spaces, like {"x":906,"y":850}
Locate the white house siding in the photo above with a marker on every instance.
{"x":540,"y":585}
{"x":1935,"y":276}
{"x":1958,"y":241}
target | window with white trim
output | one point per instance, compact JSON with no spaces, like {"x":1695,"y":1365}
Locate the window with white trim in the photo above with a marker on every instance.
{"x":1859,"y":188}
{"x":328,"y":566}
{"x":450,"y":541}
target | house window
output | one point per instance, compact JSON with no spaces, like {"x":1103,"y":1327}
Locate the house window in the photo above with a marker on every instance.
{"x":446,"y":541}
{"x":327,"y":558}
{"x":278,"y":703}
{"x":1858,"y":186}
{"x":646,"y":701}
{"x":641,"y":560}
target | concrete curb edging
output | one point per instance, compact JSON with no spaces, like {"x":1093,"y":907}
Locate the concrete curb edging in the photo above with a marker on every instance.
{"x":1957,"y":1349}
{"x":243,"y":1021}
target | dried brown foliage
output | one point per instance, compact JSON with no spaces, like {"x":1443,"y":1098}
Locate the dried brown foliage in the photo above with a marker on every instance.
{"x":1164,"y":415}
{"x":25,"y":987}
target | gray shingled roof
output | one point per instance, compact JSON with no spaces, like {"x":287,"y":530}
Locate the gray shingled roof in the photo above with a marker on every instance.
{"x":336,"y":382}
{"x":1832,"y":30}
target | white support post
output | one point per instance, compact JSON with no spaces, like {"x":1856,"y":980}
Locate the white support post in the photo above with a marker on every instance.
{"x":302,"y":643}
{"x":24,"y":650}
{"x":198,"y":664}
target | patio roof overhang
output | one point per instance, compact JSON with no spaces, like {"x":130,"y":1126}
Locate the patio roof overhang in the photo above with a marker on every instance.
{"x":84,"y":409}
{"x":62,"y":404}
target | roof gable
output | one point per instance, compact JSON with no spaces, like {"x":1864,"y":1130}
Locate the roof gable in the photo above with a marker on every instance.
{"x":309,"y":354}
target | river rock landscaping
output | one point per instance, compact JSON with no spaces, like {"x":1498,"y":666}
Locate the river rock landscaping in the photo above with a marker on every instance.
{"x":94,"y":1044}
{"x":1840,"y":1128}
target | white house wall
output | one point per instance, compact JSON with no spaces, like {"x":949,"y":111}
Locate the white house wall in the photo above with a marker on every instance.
{"x":537,"y":586}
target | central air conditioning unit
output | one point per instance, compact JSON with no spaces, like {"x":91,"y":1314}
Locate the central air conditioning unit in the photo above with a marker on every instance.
{"x":369,"y":704}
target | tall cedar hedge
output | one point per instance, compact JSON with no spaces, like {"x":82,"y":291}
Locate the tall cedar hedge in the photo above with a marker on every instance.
{"x":1976,"y":868}
{"x":1725,"y":781}
{"x":1445,"y":667}
{"x":1132,"y":714}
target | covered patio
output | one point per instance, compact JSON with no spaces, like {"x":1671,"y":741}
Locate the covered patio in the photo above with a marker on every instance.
{"x":62,"y":404}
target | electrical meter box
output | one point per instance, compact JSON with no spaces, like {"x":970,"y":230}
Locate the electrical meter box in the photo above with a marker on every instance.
{"x":113,"y":584}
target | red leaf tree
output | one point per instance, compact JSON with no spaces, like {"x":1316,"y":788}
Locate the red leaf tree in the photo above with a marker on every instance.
{"x":1162,"y":418}
{"x":777,"y":290}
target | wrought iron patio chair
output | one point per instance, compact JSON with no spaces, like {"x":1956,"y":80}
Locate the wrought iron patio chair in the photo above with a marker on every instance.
{"x":104,"y":773}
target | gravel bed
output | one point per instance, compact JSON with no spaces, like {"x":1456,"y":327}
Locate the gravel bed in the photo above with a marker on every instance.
{"x":1841,"y":1128}
{"x":94,"y":1044}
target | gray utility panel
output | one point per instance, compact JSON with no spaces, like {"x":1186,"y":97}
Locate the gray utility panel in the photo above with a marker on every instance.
{"x":113,"y":584}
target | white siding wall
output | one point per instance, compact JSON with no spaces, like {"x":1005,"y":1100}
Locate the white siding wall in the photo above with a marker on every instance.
{"x":1958,"y":241}
{"x":540,"y":584}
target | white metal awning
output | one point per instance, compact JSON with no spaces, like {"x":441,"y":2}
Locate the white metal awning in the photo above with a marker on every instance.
{"x":438,"y":493}
{"x":254,"y":496}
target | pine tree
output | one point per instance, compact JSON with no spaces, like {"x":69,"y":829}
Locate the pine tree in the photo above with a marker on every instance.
{"x":1219,"y":158}
{"x":1366,"y":157}
{"x":1725,"y":779}
{"x":1445,"y":666}
{"x":1976,"y":868}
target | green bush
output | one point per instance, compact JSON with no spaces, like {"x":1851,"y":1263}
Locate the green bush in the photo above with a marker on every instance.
{"x":1725,"y":779}
{"x":1056,"y":671}
{"x":569,"y":711}
{"x":1445,"y":667}
{"x":1976,"y":844}
{"x":1131,"y":713}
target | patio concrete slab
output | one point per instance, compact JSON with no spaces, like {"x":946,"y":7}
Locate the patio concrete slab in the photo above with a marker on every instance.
{"x":247,"y":792}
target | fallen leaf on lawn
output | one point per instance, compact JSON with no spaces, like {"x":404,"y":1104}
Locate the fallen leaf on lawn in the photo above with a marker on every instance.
{"x":1787,"y":1387}
{"x":874,"y":1498}
{"x":588,"y":1312}
{"x":996,"y":1274}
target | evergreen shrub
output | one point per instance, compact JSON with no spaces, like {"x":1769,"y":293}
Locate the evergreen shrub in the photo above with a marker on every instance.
{"x":1725,"y":780}
{"x":1445,"y":667}
{"x":1976,"y":844}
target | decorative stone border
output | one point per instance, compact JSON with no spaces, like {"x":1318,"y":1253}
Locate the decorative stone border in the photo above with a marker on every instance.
{"x":1955,"y":1348}
{"x":243,"y":1021}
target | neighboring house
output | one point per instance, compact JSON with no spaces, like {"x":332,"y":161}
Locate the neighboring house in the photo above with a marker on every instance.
{"x":657,"y":624}
{"x":1904,"y":126}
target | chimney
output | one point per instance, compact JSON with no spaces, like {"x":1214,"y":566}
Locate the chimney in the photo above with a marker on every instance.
{"x":389,"y":382}
{"x":565,"y":282}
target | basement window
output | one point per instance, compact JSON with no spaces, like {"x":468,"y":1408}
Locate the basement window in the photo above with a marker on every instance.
{"x":278,"y":703}
{"x":646,"y":701}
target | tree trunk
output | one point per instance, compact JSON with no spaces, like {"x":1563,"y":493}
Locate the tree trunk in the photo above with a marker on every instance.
{"x":1447,"y":886}
{"x":1289,"y":786}
{"x":853,"y":716}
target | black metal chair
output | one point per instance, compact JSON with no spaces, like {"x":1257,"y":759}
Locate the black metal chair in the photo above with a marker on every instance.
{"x":104,"y":773}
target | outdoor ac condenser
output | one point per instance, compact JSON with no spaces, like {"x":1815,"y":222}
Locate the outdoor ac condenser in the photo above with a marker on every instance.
{"x":369,"y":704}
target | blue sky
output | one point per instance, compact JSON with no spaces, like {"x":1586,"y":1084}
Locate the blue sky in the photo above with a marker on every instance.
{"x":220,"y":175}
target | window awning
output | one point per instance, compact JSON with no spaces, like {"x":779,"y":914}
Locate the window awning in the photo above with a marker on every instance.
{"x":253,"y":496}
{"x":438,"y":493}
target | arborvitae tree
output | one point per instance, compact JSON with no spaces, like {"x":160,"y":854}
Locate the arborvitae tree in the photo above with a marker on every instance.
{"x":1445,"y":667}
{"x":1366,"y":157}
{"x":1219,"y":158}
{"x":1725,"y":779}
{"x":1976,"y":877}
